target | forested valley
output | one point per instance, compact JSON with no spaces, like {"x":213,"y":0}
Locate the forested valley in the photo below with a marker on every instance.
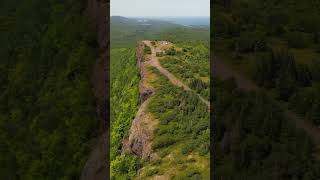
{"x":275,"y":45}
{"x":48,"y":121}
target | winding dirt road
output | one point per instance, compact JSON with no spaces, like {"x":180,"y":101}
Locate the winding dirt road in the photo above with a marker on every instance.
{"x":141,"y":131}
{"x":154,"y":61}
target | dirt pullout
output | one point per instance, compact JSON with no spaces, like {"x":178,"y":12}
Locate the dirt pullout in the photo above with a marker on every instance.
{"x":223,"y":71}
{"x":141,"y":131}
{"x":154,"y":61}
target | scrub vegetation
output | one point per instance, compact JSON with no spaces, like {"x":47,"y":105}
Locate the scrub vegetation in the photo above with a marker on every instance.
{"x":195,"y":58}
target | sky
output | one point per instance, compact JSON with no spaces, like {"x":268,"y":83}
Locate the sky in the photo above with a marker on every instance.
{"x":131,"y":8}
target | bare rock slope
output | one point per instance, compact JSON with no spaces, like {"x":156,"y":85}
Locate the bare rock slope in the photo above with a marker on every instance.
{"x":141,"y":131}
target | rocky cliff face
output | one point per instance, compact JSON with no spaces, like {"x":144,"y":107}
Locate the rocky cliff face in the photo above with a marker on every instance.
{"x":144,"y":91}
{"x":141,"y":131}
{"x":97,"y":166}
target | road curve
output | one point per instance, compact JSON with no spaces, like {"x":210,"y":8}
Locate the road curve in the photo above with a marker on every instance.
{"x":154,"y":61}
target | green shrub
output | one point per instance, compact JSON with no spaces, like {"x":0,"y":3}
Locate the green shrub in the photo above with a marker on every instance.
{"x":191,"y":160}
{"x":147,"y":50}
{"x":163,"y":141}
{"x":125,"y":166}
{"x":151,"y":172}
{"x":188,"y":147}
{"x":160,"y":54}
{"x":171,"y":52}
{"x":163,"y":152}
{"x":156,"y":162}
{"x":190,"y":173}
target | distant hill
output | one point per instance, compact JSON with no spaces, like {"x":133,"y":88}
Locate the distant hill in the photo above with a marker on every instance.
{"x":125,"y":32}
{"x":187,"y":21}
{"x":141,"y":22}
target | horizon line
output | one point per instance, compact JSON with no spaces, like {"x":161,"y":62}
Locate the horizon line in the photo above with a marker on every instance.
{"x":162,"y":16}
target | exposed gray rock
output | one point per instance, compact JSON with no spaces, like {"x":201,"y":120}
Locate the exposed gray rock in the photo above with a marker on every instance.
{"x":141,"y":131}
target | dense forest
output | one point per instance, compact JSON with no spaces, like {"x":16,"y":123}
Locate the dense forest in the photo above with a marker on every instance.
{"x":124,"y":105}
{"x":283,"y":58}
{"x":48,"y":122}
{"x":275,"y":44}
{"x":254,"y":140}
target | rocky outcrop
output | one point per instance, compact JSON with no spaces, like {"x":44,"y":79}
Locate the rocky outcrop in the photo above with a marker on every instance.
{"x":144,"y":91}
{"x":145,"y":94}
{"x":97,"y":165}
{"x":141,"y":131}
{"x":140,"y":134}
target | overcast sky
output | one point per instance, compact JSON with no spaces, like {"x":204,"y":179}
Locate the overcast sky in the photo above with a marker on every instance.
{"x":160,"y":8}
